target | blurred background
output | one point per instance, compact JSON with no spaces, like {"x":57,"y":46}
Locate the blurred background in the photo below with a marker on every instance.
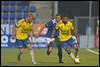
{"x":84,"y":15}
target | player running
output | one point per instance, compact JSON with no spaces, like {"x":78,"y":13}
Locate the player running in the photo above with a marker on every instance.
{"x":52,"y":34}
{"x":20,"y":31}
{"x":66,"y":29}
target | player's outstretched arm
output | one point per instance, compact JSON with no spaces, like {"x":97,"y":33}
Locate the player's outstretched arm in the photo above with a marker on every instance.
{"x":13,"y":31}
{"x":75,"y":33}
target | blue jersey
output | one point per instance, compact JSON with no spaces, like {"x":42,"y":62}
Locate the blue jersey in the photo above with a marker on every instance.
{"x":51,"y":25}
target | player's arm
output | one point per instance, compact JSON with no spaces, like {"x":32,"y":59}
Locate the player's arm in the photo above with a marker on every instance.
{"x":48,"y":24}
{"x":55,"y":30}
{"x":19,"y":23}
{"x":74,"y":32}
{"x":13,"y":31}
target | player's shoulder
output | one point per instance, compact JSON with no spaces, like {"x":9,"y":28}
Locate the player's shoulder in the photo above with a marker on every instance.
{"x":30,"y":24}
{"x":52,"y":21}
{"x":22,"y":19}
{"x":60,"y":22}
{"x":70,"y":23}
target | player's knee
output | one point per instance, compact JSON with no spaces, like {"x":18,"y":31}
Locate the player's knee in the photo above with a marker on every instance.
{"x":50,"y":48}
{"x":29,"y":46}
{"x":76,"y":47}
{"x":21,"y":51}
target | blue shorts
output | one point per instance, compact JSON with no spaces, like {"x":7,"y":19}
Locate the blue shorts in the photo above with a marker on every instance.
{"x":22,"y":43}
{"x":67,"y":44}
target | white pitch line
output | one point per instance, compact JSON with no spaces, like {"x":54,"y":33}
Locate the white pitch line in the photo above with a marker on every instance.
{"x":92,"y":51}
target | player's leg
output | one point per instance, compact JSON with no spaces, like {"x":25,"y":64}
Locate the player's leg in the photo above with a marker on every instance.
{"x":21,"y":50}
{"x":67,"y":47}
{"x":49,"y":48}
{"x":29,"y":46}
{"x":76,"y":49}
{"x":19,"y":44}
{"x":70,"y":45}
{"x":75,"y":45}
{"x":57,"y":42}
{"x":49,"y":45}
{"x":69,"y":53}
{"x":77,"y":61}
{"x":59,"y":46}
{"x":60,"y":54}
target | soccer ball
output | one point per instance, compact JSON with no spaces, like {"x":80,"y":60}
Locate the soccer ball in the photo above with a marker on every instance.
{"x":76,"y":61}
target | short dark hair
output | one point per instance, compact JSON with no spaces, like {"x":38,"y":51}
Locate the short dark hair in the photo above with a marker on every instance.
{"x":58,"y":14}
{"x":65,"y":15}
{"x":29,"y":14}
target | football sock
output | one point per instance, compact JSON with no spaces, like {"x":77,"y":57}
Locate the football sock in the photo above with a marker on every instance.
{"x":76,"y":52}
{"x":70,"y":53}
{"x":72,"y":56}
{"x":32,"y":55}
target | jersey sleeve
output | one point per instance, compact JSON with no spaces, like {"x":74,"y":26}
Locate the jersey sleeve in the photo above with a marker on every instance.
{"x":72,"y":26}
{"x":19,"y":22}
{"x":57,"y":26}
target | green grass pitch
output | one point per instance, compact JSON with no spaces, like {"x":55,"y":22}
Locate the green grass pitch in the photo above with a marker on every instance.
{"x":9,"y":58}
